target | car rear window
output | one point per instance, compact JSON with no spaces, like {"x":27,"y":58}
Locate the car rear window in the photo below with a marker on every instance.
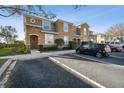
{"x":112,"y":42}
{"x":117,"y":42}
{"x":101,"y":45}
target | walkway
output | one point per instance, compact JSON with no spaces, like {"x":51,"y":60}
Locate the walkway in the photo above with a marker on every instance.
{"x":35,"y":54}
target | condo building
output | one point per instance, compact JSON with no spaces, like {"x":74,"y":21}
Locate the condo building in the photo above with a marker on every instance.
{"x":39,"y":31}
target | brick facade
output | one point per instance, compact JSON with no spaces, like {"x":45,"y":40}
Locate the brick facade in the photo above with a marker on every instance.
{"x":34,"y":26}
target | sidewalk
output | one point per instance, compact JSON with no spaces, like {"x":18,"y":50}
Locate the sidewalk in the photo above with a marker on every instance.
{"x":36,"y":54}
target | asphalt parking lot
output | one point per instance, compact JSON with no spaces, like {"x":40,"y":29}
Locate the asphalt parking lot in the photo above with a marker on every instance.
{"x":42,"y":73}
{"x":105,"y":71}
{"x":112,"y":60}
{"x":119,"y":54}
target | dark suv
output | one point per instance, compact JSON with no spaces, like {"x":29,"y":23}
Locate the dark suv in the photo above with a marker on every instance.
{"x":98,"y":50}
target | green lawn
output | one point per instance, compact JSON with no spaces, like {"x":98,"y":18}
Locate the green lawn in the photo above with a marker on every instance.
{"x":5,"y":51}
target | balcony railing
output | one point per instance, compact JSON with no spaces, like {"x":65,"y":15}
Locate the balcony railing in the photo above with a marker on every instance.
{"x":49,"y":30}
{"x":77,"y":32}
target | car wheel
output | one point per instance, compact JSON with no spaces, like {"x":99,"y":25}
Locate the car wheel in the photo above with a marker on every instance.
{"x":114,"y":50}
{"x":98,"y":55}
{"x":107,"y":55}
{"x":78,"y":52}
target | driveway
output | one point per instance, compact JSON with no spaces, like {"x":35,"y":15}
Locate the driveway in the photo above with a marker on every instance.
{"x":42,"y":73}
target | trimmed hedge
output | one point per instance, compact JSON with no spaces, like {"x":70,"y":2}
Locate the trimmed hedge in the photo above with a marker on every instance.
{"x":20,"y":48}
{"x":48,"y":48}
{"x":40,"y":47}
{"x":59,"y":42}
{"x":72,"y":45}
{"x":3,"y":45}
{"x":17,"y":48}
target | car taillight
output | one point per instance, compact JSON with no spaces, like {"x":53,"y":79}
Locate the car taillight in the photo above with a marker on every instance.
{"x":107,"y":47}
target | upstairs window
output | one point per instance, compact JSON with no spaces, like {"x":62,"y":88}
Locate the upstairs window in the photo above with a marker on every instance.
{"x":85,"y":31}
{"x":65,"y":27}
{"x":46,"y":25}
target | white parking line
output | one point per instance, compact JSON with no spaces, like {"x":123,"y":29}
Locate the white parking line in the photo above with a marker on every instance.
{"x":115,"y":65}
{"x":77,"y":73}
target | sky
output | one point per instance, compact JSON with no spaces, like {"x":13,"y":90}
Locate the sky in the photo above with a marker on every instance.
{"x":99,"y":17}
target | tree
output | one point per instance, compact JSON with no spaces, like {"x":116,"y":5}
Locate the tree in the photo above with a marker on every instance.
{"x":38,"y":10}
{"x":116,"y":31}
{"x":9,"y":34}
{"x":59,"y":42}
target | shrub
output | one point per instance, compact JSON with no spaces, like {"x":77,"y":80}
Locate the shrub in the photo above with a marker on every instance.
{"x":19,"y":47}
{"x":66,"y":48}
{"x":40,"y":48}
{"x":72,"y":44}
{"x":59,"y":42}
{"x":44,"y":48}
{"x":2,"y":45}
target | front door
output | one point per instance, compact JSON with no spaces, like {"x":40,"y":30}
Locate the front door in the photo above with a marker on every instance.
{"x":34,"y":42}
{"x":78,"y":42}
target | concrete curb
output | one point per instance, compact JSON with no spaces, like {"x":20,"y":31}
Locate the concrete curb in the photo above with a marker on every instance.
{"x":5,"y":71}
{"x":78,"y":74}
{"x":5,"y":66}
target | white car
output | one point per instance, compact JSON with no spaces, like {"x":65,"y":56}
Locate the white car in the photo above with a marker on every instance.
{"x":116,"y":43}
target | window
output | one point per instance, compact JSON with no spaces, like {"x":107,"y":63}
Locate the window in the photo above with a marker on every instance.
{"x":32,"y":20}
{"x":49,"y":39}
{"x":65,"y":27}
{"x":112,"y":42}
{"x":86,"y":46}
{"x":77,"y":31}
{"x":46,"y":25}
{"x":117,"y":42}
{"x":93,"y":46}
{"x":85,"y":31}
{"x":65,"y":40}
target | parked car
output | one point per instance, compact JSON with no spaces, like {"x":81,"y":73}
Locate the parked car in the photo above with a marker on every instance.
{"x":116,"y":44}
{"x":98,"y":50}
{"x":116,"y":48}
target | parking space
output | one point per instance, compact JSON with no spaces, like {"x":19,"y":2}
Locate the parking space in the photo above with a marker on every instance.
{"x":110,"y":60}
{"x":104,"y":73}
{"x":43,"y":73}
{"x":118,"y":54}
